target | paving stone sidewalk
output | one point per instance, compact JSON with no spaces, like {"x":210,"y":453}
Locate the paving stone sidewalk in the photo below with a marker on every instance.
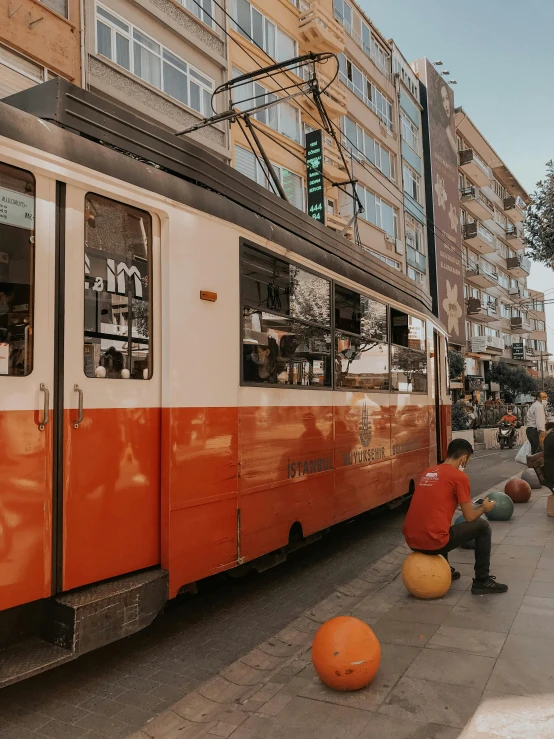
{"x":460,"y":667}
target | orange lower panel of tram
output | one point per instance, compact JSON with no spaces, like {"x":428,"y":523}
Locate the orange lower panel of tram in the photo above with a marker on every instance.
{"x":111,"y":506}
{"x":25,"y":508}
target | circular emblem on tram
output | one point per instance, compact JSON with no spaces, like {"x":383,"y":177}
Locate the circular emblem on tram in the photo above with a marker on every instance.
{"x":365,"y":426}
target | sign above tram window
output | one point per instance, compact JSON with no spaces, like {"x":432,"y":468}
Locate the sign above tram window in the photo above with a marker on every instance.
{"x":17,"y":209}
{"x":314,"y":173}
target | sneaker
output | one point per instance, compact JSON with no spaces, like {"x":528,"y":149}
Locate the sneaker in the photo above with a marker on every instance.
{"x":455,"y":574}
{"x":484,"y":587}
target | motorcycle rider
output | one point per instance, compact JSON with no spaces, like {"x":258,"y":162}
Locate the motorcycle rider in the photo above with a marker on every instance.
{"x":510,"y":419}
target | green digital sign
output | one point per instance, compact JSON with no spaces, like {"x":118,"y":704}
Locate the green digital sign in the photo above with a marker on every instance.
{"x":314,"y":172}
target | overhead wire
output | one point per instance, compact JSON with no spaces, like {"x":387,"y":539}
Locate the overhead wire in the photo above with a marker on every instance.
{"x":429,"y":222}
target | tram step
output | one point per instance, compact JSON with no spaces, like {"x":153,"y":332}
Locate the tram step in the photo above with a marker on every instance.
{"x":28,"y":658}
{"x":95,"y":615}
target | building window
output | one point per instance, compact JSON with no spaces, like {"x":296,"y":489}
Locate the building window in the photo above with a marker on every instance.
{"x":361,"y":143}
{"x":282,"y":117}
{"x":500,"y":219}
{"x":387,"y":260}
{"x":254,"y":26}
{"x":19,"y":73}
{"x":412,"y":183}
{"x":202,"y":9}
{"x":343,"y":13}
{"x":363,"y":88}
{"x":378,"y":212}
{"x":503,"y":280}
{"x":416,"y":275}
{"x":133,"y":50}
{"x":293,"y":184}
{"x":409,"y":131}
{"x":118,"y":253}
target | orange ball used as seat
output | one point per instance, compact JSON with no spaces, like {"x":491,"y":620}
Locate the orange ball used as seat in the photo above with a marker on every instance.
{"x":426,"y":576}
{"x":346,"y":653}
{"x":518,"y":490}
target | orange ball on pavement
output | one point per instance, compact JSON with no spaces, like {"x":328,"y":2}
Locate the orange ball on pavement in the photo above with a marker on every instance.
{"x":426,"y":576}
{"x":518,"y":490}
{"x":346,"y":653}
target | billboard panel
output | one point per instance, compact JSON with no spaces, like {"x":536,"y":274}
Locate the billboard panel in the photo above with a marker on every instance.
{"x":442,"y":173}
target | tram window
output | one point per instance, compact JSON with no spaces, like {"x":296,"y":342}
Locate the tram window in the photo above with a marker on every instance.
{"x":17,"y":259}
{"x":361,"y":363}
{"x":408,"y":370}
{"x":407,"y":330}
{"x":359,"y":314}
{"x":118,"y":243}
{"x":286,"y":323}
{"x":361,"y":351}
{"x":408,"y":353}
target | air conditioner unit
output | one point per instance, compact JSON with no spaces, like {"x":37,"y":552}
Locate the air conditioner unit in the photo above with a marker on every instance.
{"x":399,"y":245}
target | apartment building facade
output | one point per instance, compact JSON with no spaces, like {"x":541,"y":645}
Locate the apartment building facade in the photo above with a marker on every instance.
{"x":504,"y":318}
{"x":38,"y":41}
{"x":374,"y":108}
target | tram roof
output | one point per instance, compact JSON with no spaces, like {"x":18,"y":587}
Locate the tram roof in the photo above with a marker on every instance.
{"x":88,"y":130}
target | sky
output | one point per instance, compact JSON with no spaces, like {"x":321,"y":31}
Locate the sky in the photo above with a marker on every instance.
{"x":502,"y":55}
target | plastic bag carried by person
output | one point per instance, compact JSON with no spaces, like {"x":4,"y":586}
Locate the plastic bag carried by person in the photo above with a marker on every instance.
{"x":521,"y":456}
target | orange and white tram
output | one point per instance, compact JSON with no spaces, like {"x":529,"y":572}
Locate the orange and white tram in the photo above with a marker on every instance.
{"x":193,"y":375}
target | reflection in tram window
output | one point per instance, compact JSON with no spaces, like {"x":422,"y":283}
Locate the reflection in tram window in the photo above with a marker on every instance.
{"x":408,"y":370}
{"x":286,"y":323}
{"x":118,"y":242}
{"x":17,"y":257}
{"x":361,"y":363}
{"x":408,"y":354}
{"x":361,"y":351}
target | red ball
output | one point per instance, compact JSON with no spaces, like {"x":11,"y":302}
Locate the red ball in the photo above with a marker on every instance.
{"x":346,"y":653}
{"x":518,"y":490}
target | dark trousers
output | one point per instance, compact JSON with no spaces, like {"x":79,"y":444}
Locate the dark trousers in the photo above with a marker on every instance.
{"x":461,"y":533}
{"x":533,"y":437}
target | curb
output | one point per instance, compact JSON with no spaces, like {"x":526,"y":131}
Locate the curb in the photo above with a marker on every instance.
{"x":212,"y":708}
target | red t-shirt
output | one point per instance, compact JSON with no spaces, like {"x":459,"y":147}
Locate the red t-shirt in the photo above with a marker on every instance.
{"x":434,"y":501}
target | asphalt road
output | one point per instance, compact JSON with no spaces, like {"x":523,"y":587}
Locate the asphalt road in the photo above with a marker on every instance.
{"x":110,"y":693}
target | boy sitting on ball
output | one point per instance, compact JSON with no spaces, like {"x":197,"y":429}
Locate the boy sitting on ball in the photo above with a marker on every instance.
{"x":427,"y":526}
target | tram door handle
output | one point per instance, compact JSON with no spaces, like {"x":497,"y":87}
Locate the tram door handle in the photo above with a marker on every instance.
{"x":46,"y":409}
{"x":79,"y":407}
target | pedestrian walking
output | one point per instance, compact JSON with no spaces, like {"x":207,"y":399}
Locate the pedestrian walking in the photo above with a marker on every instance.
{"x":427,"y":528}
{"x":548,"y":445}
{"x":536,"y":421}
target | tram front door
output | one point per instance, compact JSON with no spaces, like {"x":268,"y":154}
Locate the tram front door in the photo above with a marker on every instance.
{"x":107,"y":446}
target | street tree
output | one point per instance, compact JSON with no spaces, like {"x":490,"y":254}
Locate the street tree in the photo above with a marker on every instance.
{"x":539,"y":220}
{"x":513,"y":380}
{"x":455,"y":364}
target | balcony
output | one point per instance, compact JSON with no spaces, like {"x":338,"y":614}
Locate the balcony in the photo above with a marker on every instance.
{"x":333,"y":166}
{"x":480,"y":275}
{"x":319,"y":30}
{"x":416,"y":260}
{"x":479,"y":237}
{"x":515,"y":208}
{"x":486,"y":344}
{"x":514,"y":236}
{"x":519,"y":266}
{"x":518,"y":293}
{"x":338,"y":224}
{"x":477,"y":204}
{"x":474,"y":167}
{"x":480,"y":312}
{"x":520,"y":325}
